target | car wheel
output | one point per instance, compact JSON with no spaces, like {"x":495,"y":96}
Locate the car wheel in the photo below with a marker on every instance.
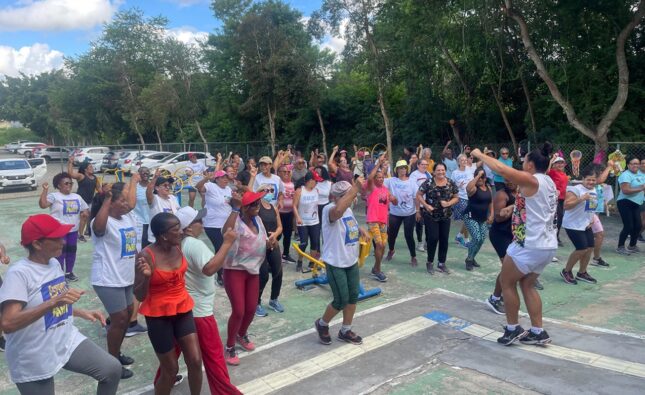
{"x":28,"y":154}
{"x":33,"y":188}
{"x":47,"y":159}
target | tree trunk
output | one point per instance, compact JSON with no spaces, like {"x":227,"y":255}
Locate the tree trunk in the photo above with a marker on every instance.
{"x":455,"y":134}
{"x":136,"y":129}
{"x":159,"y":138}
{"x":386,"y":120}
{"x":323,"y":131}
{"x":271,"y":114}
{"x":505,"y":118}
{"x":201,"y":133}
{"x":527,"y":95}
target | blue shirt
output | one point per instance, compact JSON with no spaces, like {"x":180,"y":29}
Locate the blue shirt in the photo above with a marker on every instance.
{"x":451,"y":165}
{"x":635,"y":180}
{"x":142,"y":209}
{"x":507,"y":162}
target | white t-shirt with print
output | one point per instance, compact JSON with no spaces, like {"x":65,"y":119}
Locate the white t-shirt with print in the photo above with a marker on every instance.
{"x":341,"y":238}
{"x":161,"y":205}
{"x":419,"y":177}
{"x":324,"y":189}
{"x":581,"y":215}
{"x":308,"y":206}
{"x":461,"y":178}
{"x":272,"y":180}
{"x":218,"y":207}
{"x":200,"y":286}
{"x":405,"y":193}
{"x":67,"y":208}
{"x":39,"y":350}
{"x":115,"y":252}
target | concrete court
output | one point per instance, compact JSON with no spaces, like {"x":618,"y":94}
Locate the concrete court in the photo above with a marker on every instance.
{"x":432,"y":360}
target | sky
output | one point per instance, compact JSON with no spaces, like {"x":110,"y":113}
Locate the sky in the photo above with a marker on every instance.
{"x":35,"y":35}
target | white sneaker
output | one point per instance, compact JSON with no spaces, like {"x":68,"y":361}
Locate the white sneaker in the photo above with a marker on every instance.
{"x":421,"y":246}
{"x":555,"y":259}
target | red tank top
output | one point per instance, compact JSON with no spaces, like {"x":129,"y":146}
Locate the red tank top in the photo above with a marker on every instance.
{"x":167,"y":294}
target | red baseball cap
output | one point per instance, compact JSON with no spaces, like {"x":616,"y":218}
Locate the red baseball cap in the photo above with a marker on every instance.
{"x":317,"y":176}
{"x":250,"y":197}
{"x":42,"y":226}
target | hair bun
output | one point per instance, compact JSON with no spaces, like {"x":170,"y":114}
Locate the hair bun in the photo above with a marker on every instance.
{"x":547,"y":149}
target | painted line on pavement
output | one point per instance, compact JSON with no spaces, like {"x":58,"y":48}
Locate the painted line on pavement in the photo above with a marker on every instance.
{"x":568,"y":354}
{"x":282,"y":378}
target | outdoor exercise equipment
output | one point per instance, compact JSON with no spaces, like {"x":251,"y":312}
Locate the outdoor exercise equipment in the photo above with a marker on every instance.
{"x":117,"y":173}
{"x":619,"y":161}
{"x":321,"y":279}
{"x":575,"y":156}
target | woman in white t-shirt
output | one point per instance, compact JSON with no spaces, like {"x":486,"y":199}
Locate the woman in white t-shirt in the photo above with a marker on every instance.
{"x":534,"y":241}
{"x":36,"y":313}
{"x":461,"y":177}
{"x":579,"y":209}
{"x":340,"y":254}
{"x":217,"y":195}
{"x":195,"y":170}
{"x":404,"y":189}
{"x":67,"y":208}
{"x":160,"y":199}
{"x":114,"y":233}
{"x":305,"y":209}
{"x":323,"y":187}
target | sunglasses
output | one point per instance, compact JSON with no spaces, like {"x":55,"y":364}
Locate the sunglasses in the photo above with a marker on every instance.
{"x":255,"y":204}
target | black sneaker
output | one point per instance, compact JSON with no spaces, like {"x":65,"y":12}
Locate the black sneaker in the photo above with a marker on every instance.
{"x":496,"y":305}
{"x":599,"y":262}
{"x":287,"y":258}
{"x":82,"y":239}
{"x":586,"y":278}
{"x":126,"y":373}
{"x":442,"y":268}
{"x":539,"y":339}
{"x":3,"y":343}
{"x":511,"y":336}
{"x":469,"y":264}
{"x":323,"y":333}
{"x":71,"y":277}
{"x":538,"y":285}
{"x":178,"y":379}
{"x":350,"y":337}
{"x":568,"y":277}
{"x":430,"y":267}
{"x":475,"y":264}
{"x":125,"y":360}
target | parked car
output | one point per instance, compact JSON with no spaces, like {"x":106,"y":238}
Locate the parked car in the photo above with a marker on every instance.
{"x":93,"y":155}
{"x":27,"y":149}
{"x":13,"y":146}
{"x":52,"y":153}
{"x":109,"y":162}
{"x":144,"y":159}
{"x":39,"y":166}
{"x":16,"y":173}
{"x":127,"y":158}
{"x":177,"y":161}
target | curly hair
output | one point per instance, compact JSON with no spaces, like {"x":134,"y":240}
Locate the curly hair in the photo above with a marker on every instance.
{"x":60,"y":177}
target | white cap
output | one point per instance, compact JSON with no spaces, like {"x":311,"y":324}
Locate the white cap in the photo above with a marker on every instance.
{"x":187,"y":215}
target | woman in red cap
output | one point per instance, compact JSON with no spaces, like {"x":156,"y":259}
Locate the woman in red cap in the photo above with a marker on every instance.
{"x":242,"y":268}
{"x":37,"y":312}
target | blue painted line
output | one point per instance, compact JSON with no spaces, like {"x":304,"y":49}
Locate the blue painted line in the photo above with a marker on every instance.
{"x":448,"y":320}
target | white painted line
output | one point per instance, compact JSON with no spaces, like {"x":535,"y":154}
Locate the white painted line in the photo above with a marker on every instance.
{"x":550,"y":320}
{"x":338,"y":356}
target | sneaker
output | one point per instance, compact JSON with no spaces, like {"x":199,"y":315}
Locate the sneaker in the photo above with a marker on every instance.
{"x":82,"y":239}
{"x":260,"y":312}
{"x":137,"y":329}
{"x":125,"y":360}
{"x":442,"y":268}
{"x":379,"y":276}
{"x":510,"y":337}
{"x":475,"y":264}
{"x":3,"y":343}
{"x":469,"y":264}
{"x":430,"y":267}
{"x":496,"y":305}
{"x":541,"y":338}
{"x":599,"y":262}
{"x":245,"y":342}
{"x":288,"y":259}
{"x":350,"y":337}
{"x":126,"y":373}
{"x":463,"y":243}
{"x":71,"y":277}
{"x":555,"y":259}
{"x":568,"y":277}
{"x":323,"y":333}
{"x":230,"y":356}
{"x":633,"y":250}
{"x":586,"y":278}
{"x":413,"y":261}
{"x":389,"y":256}
{"x":623,"y":251}
{"x":538,"y":285}
{"x":276,"y":306}
{"x":299,"y":266}
{"x":178,"y":379}
{"x":421,"y":246}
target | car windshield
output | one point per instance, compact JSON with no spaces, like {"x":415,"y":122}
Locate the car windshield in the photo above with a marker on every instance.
{"x":168,"y":158}
{"x":14,"y":165}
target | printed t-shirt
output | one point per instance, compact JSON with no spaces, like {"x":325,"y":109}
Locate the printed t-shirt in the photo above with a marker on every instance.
{"x":218,"y":206}
{"x":114,"y":252}
{"x":67,"y":208}
{"x":405,"y":192}
{"x":341,"y":238}
{"x":581,"y":215}
{"x":275,"y":183}
{"x":377,"y":205}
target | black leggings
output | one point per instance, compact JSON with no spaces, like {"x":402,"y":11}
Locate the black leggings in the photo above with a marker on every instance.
{"x":164,"y":331}
{"x":311,"y":234}
{"x":631,"y":216}
{"x":559,"y":215}
{"x":273,"y":263}
{"x":394,"y":223}
{"x":500,"y":240}
{"x":287,"y":229}
{"x":438,"y":233}
{"x":216,"y":237}
{"x":419,"y":228}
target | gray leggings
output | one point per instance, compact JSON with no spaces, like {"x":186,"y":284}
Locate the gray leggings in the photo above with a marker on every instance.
{"x":89,"y":359}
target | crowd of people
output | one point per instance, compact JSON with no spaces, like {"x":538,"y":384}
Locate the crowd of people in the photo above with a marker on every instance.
{"x":148,"y":258}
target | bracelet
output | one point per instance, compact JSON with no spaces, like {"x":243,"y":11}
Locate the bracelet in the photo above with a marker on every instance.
{"x":235,"y":210}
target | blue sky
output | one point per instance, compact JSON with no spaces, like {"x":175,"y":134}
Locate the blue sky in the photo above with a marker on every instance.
{"x":36,"y":34}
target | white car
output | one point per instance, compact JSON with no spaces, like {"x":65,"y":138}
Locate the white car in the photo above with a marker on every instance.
{"x":146,"y":160}
{"x":39,"y":166}
{"x":178,"y":161}
{"x":93,"y":155}
{"x":127,"y":158}
{"x":14,"y":145}
{"x":52,"y":153}
{"x":27,"y":149}
{"x":16,"y":173}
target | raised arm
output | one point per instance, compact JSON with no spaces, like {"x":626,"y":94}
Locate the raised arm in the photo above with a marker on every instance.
{"x":100,"y":221}
{"x":236,"y":203}
{"x":521,"y":178}
{"x":43,"y":202}
{"x":150,"y":189}
{"x":602,"y":177}
{"x":201,"y":184}
{"x":332,"y":165}
{"x":344,"y":202}
{"x":446,"y":146}
{"x":471,"y":187}
{"x":219,"y":165}
{"x":73,"y":173}
{"x":132,"y":191}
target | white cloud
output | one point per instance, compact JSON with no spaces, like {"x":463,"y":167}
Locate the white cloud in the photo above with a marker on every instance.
{"x":188,"y":35}
{"x":29,"y":60}
{"x":337,"y":43}
{"x":56,"y":15}
{"x":186,"y":3}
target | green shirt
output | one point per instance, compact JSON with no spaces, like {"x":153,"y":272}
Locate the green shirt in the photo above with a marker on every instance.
{"x":200,"y":286}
